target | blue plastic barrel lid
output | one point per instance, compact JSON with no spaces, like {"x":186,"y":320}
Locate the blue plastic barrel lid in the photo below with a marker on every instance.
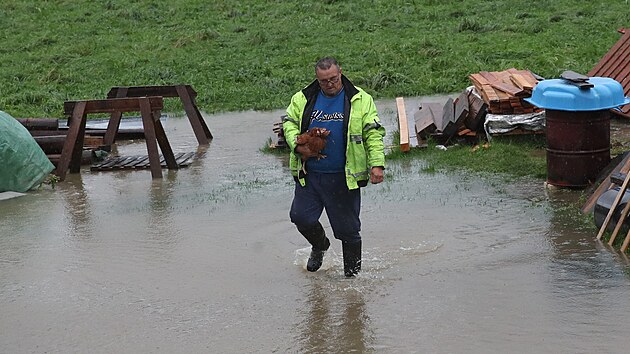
{"x":560,"y":95}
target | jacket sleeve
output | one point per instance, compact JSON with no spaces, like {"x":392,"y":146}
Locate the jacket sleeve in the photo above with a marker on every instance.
{"x":373,"y":134}
{"x":291,"y":122}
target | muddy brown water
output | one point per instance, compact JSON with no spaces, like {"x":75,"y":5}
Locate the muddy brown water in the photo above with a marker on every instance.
{"x":206,"y":260}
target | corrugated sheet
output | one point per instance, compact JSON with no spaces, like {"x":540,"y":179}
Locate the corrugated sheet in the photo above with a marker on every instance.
{"x":616,"y":65}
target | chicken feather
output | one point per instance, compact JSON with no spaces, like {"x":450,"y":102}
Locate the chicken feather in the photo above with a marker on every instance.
{"x":315,"y":140}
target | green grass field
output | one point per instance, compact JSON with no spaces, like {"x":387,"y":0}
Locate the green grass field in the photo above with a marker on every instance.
{"x":255,"y":54}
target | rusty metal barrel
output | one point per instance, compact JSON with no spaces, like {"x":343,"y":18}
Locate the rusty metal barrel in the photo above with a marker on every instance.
{"x":577,"y":111}
{"x":578,"y":146}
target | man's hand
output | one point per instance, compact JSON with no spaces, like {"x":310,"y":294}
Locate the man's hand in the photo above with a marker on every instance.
{"x":376,"y":175}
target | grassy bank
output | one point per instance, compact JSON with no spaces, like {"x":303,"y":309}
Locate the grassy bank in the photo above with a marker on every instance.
{"x":254,"y":54}
{"x":519,"y":156}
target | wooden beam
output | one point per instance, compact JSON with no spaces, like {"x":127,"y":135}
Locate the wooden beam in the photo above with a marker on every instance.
{"x":140,"y":91}
{"x":113,"y":105}
{"x":622,"y":218}
{"x":74,"y":140}
{"x":626,"y":241}
{"x":151,"y":139}
{"x":153,"y":131}
{"x":185,"y":93}
{"x":114,"y":120}
{"x":202,"y":133}
{"x":403,"y":125}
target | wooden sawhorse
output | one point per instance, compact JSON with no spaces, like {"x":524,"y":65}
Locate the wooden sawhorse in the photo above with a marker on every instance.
{"x":184,"y":92}
{"x":149,"y":107}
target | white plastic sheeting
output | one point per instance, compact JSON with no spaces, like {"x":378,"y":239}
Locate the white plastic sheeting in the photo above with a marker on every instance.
{"x":504,"y":123}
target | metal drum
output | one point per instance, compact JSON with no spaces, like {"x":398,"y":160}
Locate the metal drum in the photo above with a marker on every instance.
{"x":578,"y":126}
{"x":578,"y":146}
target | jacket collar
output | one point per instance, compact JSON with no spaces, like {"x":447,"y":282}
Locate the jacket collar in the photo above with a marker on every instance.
{"x":312,"y":90}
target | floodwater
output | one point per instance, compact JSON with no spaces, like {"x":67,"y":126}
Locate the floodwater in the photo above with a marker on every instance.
{"x":206,"y":260}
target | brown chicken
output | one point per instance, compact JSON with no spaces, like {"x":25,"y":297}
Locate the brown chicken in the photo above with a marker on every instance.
{"x":315,"y":141}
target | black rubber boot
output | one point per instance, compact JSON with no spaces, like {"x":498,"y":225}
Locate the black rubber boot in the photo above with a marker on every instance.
{"x":351,"y":258}
{"x":316,"y":236}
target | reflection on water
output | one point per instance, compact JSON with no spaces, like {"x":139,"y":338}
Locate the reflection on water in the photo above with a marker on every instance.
{"x":590,"y":277}
{"x":159,"y":222}
{"x":77,"y":207}
{"x":206,"y":260}
{"x":335,"y":318}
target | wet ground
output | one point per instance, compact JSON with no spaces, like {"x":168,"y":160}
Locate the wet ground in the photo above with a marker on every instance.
{"x":206,"y":260}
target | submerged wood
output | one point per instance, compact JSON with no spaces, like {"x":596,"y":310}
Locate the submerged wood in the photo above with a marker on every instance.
{"x":39,"y":123}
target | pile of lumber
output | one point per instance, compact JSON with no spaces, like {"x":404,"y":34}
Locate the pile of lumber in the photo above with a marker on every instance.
{"x":463,"y":115}
{"x":616,"y":65}
{"x":280,"y":142}
{"x":51,"y":137}
{"x":504,"y":91}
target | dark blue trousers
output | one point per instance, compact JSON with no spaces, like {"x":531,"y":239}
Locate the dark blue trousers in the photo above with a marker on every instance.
{"x":328,"y":191}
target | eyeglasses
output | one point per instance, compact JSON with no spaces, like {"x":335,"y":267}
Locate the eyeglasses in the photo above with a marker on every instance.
{"x":330,"y":81}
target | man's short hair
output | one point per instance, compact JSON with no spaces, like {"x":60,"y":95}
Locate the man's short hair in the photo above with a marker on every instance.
{"x":326,"y":63}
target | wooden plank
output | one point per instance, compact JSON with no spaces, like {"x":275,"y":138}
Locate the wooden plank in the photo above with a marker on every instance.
{"x":623,"y":215}
{"x":202,"y":133}
{"x":424,"y":119}
{"x":142,"y":162}
{"x":162,"y":140}
{"x":449,"y":127}
{"x":113,"y":105}
{"x":479,"y":79}
{"x":151,"y":139}
{"x":477,"y":111}
{"x":74,"y":142}
{"x":616,"y":65}
{"x":609,"y":55}
{"x":141,"y":91}
{"x":448,"y":115}
{"x":520,"y":81}
{"x":114,"y":121}
{"x":492,"y":95}
{"x":185,"y":93}
{"x":130,"y":161}
{"x":39,"y":123}
{"x":488,"y":76}
{"x":186,"y":159}
{"x":121,"y":161}
{"x":626,"y":241}
{"x":609,"y":68}
{"x":403,"y":125}
{"x":461,"y":108}
{"x":109,"y":163}
{"x":465,"y":131}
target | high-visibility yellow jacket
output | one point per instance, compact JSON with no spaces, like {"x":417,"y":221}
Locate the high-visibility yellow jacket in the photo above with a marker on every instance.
{"x":363,"y":132}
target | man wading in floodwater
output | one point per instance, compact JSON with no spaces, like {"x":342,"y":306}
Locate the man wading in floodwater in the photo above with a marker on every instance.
{"x":354,"y":153}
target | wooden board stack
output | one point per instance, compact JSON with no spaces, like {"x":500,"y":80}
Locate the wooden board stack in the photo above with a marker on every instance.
{"x":616,"y":65}
{"x":503,"y":91}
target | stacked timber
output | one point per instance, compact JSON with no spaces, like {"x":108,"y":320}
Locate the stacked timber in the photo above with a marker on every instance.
{"x":616,"y":65}
{"x":504,"y":91}
{"x":463,"y":115}
{"x":51,"y":138}
{"x":280,"y":141}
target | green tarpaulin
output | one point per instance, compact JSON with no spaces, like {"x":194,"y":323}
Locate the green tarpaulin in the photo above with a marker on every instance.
{"x":23,"y":164}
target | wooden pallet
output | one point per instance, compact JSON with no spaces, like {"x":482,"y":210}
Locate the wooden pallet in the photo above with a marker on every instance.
{"x":139,"y":162}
